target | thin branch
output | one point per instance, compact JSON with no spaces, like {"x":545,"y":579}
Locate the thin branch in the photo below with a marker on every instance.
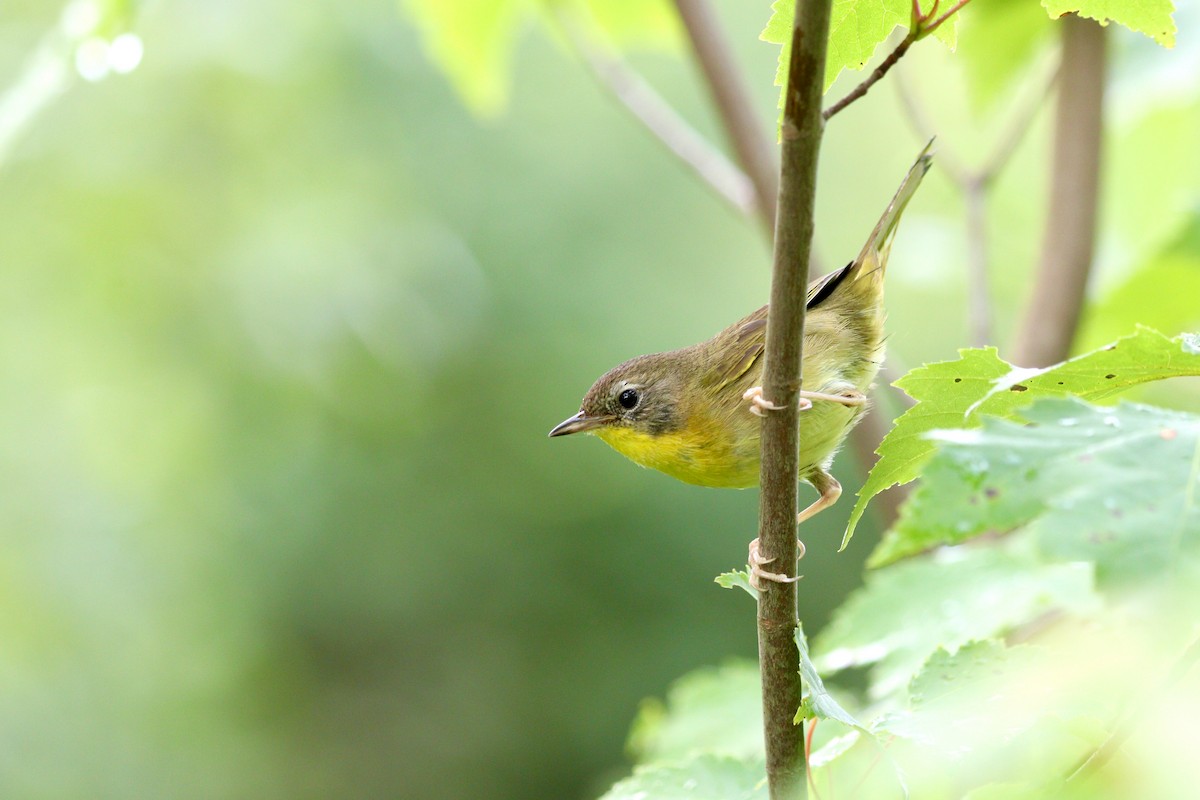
{"x":920,"y":25}
{"x":974,"y":185}
{"x":777,"y":610}
{"x":1021,"y":122}
{"x":876,"y":75}
{"x":979,"y":294}
{"x":1052,"y":314}
{"x":1096,"y":760}
{"x":750,"y":142}
{"x":937,"y":23}
{"x":671,"y":129}
{"x":918,"y":120}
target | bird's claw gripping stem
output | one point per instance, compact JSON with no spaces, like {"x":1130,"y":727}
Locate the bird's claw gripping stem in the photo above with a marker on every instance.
{"x":760,"y":405}
{"x":757,"y":574}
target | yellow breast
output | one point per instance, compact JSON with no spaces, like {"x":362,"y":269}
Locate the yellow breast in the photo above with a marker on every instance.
{"x":702,"y":454}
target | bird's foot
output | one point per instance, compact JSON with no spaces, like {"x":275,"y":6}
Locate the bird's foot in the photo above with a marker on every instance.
{"x":851,"y":397}
{"x":758,"y":574}
{"x":760,"y":405}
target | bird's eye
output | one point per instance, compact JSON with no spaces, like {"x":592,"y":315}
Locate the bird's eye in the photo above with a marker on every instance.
{"x":628,"y":399}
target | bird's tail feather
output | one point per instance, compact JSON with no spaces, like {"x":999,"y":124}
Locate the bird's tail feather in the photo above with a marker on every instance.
{"x":874,"y":252}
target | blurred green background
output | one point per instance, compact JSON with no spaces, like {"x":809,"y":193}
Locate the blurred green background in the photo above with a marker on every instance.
{"x":284,"y":328}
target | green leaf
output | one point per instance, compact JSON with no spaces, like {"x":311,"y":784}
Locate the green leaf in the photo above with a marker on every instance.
{"x":1151,"y":17}
{"x":471,"y":41}
{"x":1000,"y":40}
{"x":955,"y":394}
{"x":833,"y":749}
{"x":1115,"y":486}
{"x":943,"y":392}
{"x":961,"y":595}
{"x":713,"y":710}
{"x":856,"y":29}
{"x":945,"y":672}
{"x":740,"y":579}
{"x":632,"y":23}
{"x":818,"y":702}
{"x":701,"y":778}
{"x":984,"y":713}
{"x":969,"y":700}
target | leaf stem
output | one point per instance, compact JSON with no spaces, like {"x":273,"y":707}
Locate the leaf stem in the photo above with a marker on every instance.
{"x":777,"y":610}
{"x":808,"y":741}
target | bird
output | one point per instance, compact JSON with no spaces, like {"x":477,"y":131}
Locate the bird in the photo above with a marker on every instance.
{"x":692,"y":413}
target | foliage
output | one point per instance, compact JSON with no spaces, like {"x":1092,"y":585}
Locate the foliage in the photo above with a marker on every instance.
{"x":1115,"y":487}
{"x":1151,"y":17}
{"x":976,"y":658}
{"x":859,"y":27}
{"x":967,"y":594}
{"x":699,"y":778}
{"x":1063,"y":527}
{"x":473,"y":41}
{"x":856,"y":29}
{"x":284,"y":330}
{"x":712,"y":711}
{"x":959,"y":393}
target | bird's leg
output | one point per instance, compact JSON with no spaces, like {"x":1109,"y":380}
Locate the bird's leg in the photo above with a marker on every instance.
{"x":853,"y":397}
{"x":760,"y":405}
{"x":830,"y":491}
{"x":757,"y":574}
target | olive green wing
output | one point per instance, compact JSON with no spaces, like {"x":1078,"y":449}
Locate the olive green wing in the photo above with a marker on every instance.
{"x":737,"y":348}
{"x":733,"y":351}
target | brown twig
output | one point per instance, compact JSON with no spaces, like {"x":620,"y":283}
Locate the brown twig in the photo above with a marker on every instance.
{"x":876,"y":75}
{"x":671,"y":129}
{"x":979,"y":293}
{"x":777,"y":612}
{"x":1052,"y":314}
{"x":937,"y":23}
{"x":920,"y":25}
{"x":1021,"y":122}
{"x":741,"y":122}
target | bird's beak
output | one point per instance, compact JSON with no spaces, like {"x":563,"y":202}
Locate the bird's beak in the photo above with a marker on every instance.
{"x":579,"y":423}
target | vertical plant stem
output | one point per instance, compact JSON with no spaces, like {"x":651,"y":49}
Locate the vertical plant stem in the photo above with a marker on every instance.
{"x":777,"y":610}
{"x":742,"y":125}
{"x":979,"y":295}
{"x":1052,"y":314}
{"x":974,"y":185}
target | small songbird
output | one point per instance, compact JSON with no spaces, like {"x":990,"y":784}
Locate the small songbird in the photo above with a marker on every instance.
{"x":690,"y":412}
